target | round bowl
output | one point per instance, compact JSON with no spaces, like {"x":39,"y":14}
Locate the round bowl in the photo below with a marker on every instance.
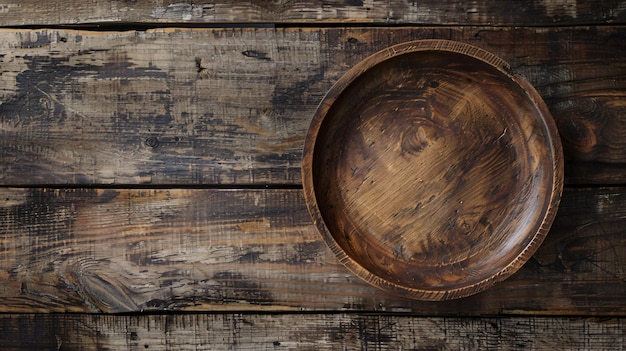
{"x":431,"y":170}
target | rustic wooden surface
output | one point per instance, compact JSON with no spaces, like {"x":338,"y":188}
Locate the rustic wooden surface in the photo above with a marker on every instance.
{"x":232,"y":106}
{"x":133,"y":12}
{"x":306,"y":332}
{"x":117,"y":250}
{"x":151,"y":166}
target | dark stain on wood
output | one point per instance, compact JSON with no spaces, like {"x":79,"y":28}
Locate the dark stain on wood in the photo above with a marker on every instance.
{"x":256,"y":54}
{"x":298,"y":93}
{"x":236,"y":287}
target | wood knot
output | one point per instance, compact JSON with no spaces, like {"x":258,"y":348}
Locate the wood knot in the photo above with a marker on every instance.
{"x":152,"y":142}
{"x":578,"y":135}
{"x":419,"y":136}
{"x":414,"y":139}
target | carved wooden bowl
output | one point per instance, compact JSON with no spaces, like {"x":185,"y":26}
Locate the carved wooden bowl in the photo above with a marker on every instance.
{"x":431,"y":170}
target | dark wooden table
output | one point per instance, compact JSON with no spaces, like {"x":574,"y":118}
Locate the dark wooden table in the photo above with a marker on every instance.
{"x":150,"y":185}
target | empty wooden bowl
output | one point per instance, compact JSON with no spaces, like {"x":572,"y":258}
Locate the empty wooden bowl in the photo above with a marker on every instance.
{"x":431,"y":170}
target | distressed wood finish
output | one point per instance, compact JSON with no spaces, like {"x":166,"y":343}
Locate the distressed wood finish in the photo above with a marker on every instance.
{"x":431,"y":171}
{"x":116,"y":250}
{"x":232,"y":106}
{"x":306,"y":332}
{"x":494,"y":12}
{"x":155,"y":171}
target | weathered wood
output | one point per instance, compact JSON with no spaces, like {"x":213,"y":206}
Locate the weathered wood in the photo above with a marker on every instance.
{"x":524,"y":12}
{"x":306,"y":332}
{"x":232,"y":106}
{"x":193,"y":107}
{"x":115,"y":250}
{"x":431,"y":171}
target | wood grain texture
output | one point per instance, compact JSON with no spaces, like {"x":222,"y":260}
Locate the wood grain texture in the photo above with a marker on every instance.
{"x":115,"y":250}
{"x":175,"y":109}
{"x":525,"y":12}
{"x":232,"y":106}
{"x":431,"y":171}
{"x":306,"y":332}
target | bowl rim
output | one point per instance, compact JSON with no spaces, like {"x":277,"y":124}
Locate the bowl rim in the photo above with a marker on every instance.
{"x":542,"y":113}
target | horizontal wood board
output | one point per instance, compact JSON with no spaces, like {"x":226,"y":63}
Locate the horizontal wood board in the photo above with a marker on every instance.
{"x":232,"y":106}
{"x":306,"y":332}
{"x":117,"y":250}
{"x":444,"y":12}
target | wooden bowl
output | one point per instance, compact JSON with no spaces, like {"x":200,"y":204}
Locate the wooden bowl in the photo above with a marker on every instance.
{"x":431,"y":170}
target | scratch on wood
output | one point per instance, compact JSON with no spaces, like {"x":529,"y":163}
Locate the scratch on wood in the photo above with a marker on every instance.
{"x":256,"y":54}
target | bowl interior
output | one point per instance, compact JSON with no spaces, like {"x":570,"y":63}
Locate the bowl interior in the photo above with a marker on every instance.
{"x":432,"y":171}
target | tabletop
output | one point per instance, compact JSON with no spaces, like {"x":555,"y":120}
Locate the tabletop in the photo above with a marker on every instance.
{"x":150,"y":182}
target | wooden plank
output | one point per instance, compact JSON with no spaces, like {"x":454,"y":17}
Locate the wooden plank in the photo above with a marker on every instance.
{"x":232,"y":106}
{"x":306,"y":332}
{"x":116,"y":250}
{"x":524,"y":12}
